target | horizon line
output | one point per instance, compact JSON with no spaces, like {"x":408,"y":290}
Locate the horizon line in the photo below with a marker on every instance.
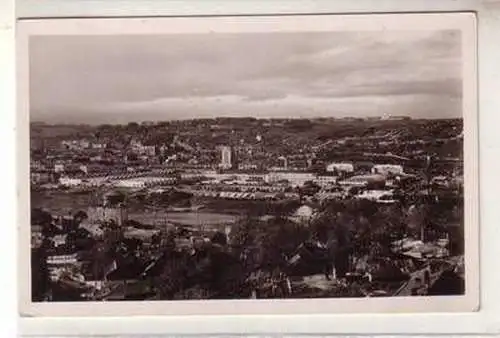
{"x":378,"y":118}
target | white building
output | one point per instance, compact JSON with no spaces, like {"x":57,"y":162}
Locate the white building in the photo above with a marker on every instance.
{"x":442,"y":181}
{"x":58,"y":167}
{"x":324,"y":181}
{"x":388,"y":169}
{"x":62,"y":259}
{"x":84,"y":168}
{"x":143,"y":182}
{"x":70,"y":182}
{"x":363,"y":180}
{"x":59,"y":240}
{"x":247,"y":166}
{"x":84,"y":144}
{"x":380,"y":196}
{"x":146,"y":150}
{"x":130,"y":183}
{"x":98,"y":145}
{"x":296,"y":179}
{"x":58,"y":265}
{"x":36,"y":240}
{"x":340,"y":167}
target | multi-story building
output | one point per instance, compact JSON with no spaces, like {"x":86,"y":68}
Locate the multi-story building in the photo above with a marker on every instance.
{"x":227,"y":158}
{"x":340,"y":167}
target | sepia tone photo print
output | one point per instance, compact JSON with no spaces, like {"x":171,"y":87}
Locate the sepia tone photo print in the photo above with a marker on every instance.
{"x":261,"y":159}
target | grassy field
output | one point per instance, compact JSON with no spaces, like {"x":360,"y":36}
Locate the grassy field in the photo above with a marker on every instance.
{"x":185,"y":218}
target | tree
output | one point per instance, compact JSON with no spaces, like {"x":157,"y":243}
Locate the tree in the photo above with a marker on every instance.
{"x":309,"y":189}
{"x":49,"y":230}
{"x":132,"y":126}
{"x":219,"y":238}
{"x":244,"y":234}
{"x":80,"y":216}
{"x":227,"y":275}
{"x":39,"y":274}
{"x":280,"y":240}
{"x":115,"y":198}
{"x":40,"y":217}
{"x":172,"y":278}
{"x":132,"y":244}
{"x":457,"y":240}
{"x":132,"y":157}
{"x":357,"y":228}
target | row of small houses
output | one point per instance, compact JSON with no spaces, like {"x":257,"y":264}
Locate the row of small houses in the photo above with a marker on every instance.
{"x":243,"y":195}
{"x":129,"y":173}
{"x":253,"y":192}
{"x":379,"y":196}
{"x":145,"y":179}
{"x":124,"y":181}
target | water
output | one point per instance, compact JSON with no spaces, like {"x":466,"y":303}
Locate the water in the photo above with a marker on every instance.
{"x":189,"y":218}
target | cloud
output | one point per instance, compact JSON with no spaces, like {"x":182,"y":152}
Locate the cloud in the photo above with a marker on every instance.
{"x":238,"y":74}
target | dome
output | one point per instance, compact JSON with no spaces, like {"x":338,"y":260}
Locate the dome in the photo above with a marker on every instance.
{"x":304,"y":211}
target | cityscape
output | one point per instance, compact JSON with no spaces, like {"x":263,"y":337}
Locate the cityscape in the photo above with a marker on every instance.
{"x":311,"y":203}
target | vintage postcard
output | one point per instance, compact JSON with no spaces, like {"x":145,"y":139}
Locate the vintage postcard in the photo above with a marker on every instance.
{"x":248,"y":165}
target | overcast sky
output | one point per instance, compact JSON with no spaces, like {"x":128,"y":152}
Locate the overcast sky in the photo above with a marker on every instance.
{"x":94,"y":79}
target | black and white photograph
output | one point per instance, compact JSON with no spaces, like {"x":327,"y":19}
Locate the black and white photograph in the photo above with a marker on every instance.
{"x":278,"y":161}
